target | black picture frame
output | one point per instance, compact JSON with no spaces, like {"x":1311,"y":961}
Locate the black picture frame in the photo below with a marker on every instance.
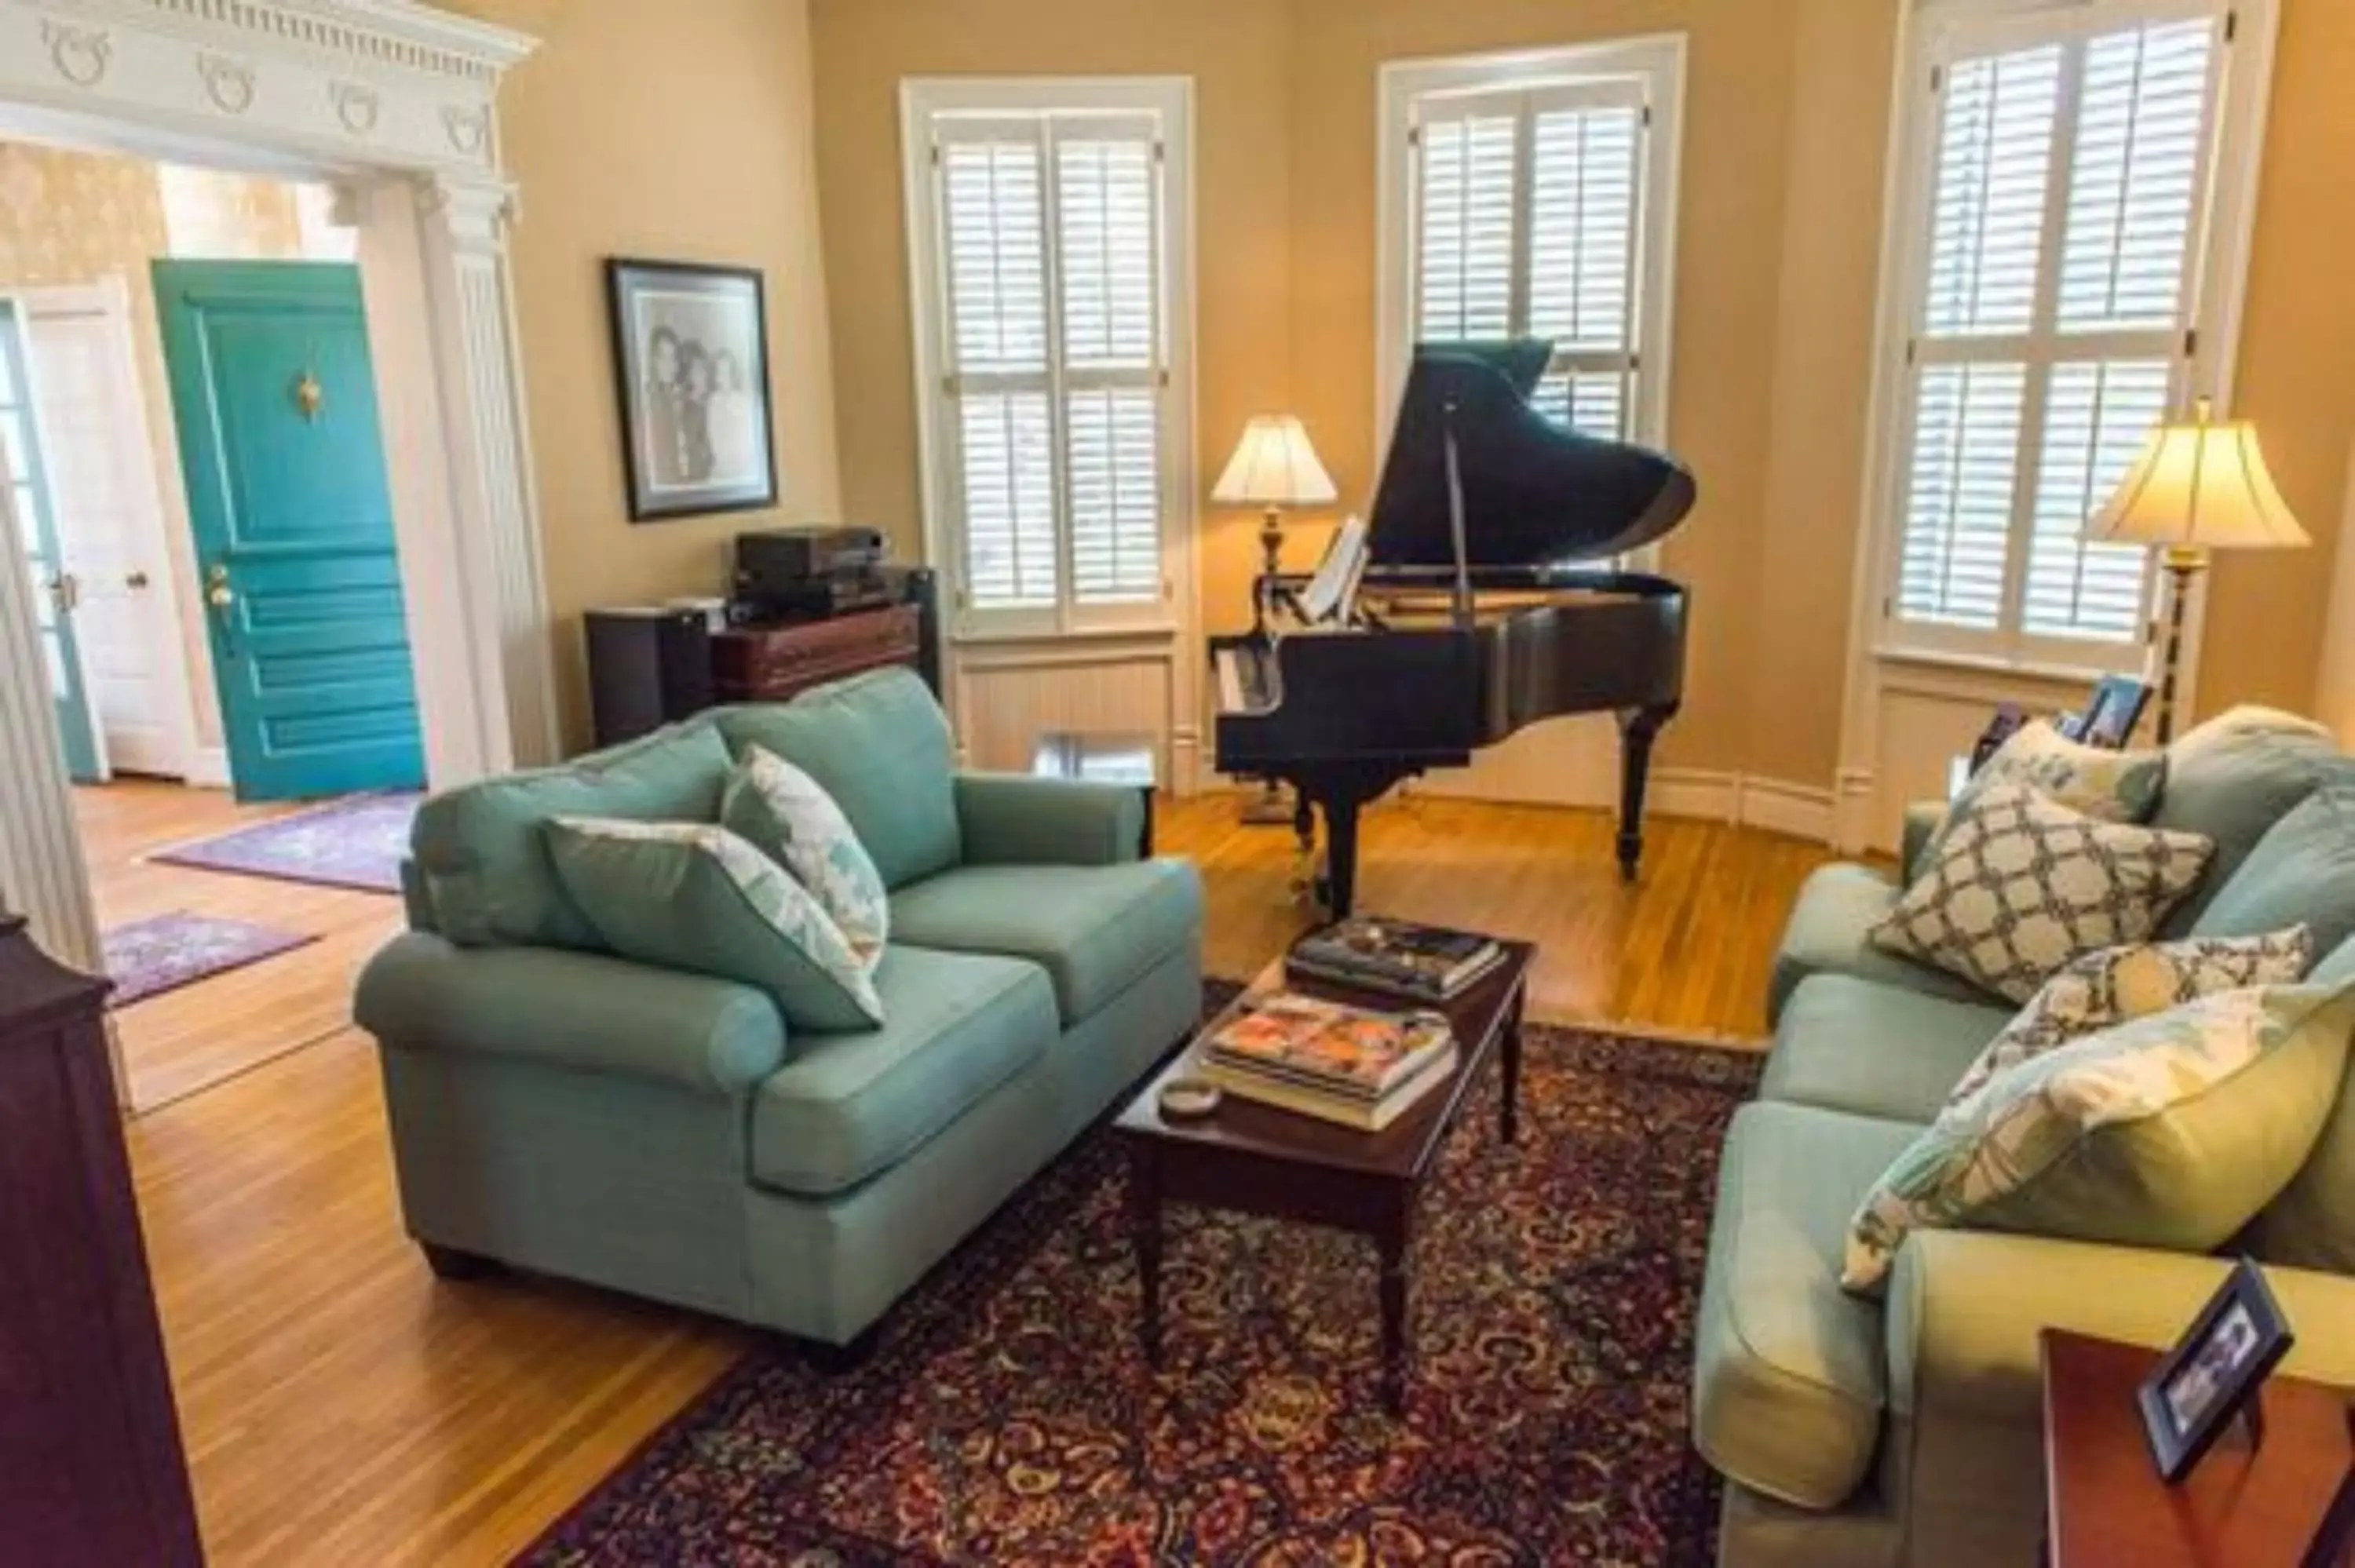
{"x":2110,"y":718}
{"x":2212,"y":1376}
{"x":691,"y":381}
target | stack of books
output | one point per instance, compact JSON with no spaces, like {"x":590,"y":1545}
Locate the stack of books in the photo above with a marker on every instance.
{"x":1344,"y":1064}
{"x":1422,"y":963}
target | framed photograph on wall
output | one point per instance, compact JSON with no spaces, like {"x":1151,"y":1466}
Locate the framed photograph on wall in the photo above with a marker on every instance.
{"x":691,"y":364}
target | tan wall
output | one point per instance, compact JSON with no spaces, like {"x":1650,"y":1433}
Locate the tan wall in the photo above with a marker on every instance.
{"x":677,"y":131}
{"x":1786,"y":124}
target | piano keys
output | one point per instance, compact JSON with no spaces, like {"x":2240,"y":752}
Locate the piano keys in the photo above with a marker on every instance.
{"x":1475,"y":617}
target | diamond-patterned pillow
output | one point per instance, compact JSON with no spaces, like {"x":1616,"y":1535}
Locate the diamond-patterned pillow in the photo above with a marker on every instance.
{"x":2116,"y":985}
{"x":2020,"y":885}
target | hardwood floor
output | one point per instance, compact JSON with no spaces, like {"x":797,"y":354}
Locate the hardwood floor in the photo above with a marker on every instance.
{"x":182,"y":1040}
{"x":341,"y":1406}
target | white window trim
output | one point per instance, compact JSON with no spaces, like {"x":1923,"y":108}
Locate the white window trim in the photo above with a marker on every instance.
{"x":1171,"y":100}
{"x":1658,"y":60}
{"x":1935,"y":30}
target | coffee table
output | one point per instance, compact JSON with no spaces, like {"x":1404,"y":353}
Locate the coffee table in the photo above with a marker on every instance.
{"x":1257,"y":1160}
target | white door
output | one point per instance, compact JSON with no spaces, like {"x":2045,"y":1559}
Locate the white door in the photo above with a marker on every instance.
{"x":109,"y":521}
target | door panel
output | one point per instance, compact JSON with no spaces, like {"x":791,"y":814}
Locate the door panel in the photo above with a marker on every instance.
{"x":276,"y":405}
{"x":110,"y":522}
{"x":54,"y":588}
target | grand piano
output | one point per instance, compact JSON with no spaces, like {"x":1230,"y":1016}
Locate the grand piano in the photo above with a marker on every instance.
{"x":1474,"y":617}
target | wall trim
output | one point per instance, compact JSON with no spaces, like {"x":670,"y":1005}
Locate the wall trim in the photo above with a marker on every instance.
{"x":208,"y":769}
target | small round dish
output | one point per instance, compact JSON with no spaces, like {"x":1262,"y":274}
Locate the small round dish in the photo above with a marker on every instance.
{"x":1189,"y":1099}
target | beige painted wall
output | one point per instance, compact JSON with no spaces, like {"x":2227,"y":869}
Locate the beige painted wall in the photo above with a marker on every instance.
{"x":677,"y":131}
{"x":1779,"y":243}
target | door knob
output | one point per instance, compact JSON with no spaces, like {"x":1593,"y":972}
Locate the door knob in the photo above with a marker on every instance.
{"x":218,"y":593}
{"x":135,"y":581}
{"x":65,"y":592}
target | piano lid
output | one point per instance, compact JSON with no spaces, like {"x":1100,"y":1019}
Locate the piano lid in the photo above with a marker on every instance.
{"x":1535,"y":493}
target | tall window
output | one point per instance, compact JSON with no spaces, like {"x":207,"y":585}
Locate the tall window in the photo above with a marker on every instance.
{"x":2068,"y":260}
{"x":1049,"y":249}
{"x":1536,"y":193}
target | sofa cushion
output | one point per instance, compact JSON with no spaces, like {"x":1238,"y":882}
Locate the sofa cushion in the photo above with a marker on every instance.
{"x":2231,"y":779}
{"x":2112,"y":786}
{"x":1836,"y":907}
{"x":483,"y":862}
{"x":1788,"y":1376}
{"x":2301,"y":872}
{"x":2312,"y":1225}
{"x":695,"y":897}
{"x":2020,"y":885}
{"x":1096,"y":927}
{"x":1856,"y":1046}
{"x":784,"y":813}
{"x":879,"y":745}
{"x":848,"y":1106}
{"x":2172,"y":1131}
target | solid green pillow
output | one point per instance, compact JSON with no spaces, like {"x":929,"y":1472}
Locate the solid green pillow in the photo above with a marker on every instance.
{"x":2169,"y":1132}
{"x":695,"y":897}
{"x":2301,"y":872}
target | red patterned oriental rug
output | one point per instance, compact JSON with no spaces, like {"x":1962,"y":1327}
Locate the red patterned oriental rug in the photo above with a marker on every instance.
{"x":1007,"y":1414}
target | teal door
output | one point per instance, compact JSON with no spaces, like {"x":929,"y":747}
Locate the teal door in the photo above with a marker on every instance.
{"x":53,"y":587}
{"x":275,"y":403}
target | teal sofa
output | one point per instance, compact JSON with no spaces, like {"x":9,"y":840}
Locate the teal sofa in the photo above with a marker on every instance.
{"x":566,"y":1111}
{"x":1857,"y":1433}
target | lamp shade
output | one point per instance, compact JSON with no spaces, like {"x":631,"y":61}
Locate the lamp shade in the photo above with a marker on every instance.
{"x":1273,"y":465}
{"x":2199,"y":486}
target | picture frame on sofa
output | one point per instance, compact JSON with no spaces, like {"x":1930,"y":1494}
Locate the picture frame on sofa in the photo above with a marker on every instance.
{"x":2212,"y":1376}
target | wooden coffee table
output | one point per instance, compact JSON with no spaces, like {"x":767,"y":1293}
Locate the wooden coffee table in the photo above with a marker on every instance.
{"x":1256,"y":1160}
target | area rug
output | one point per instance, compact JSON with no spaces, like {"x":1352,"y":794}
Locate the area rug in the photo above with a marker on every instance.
{"x":358,"y":841}
{"x":165,"y":952}
{"x":1009,"y":1416}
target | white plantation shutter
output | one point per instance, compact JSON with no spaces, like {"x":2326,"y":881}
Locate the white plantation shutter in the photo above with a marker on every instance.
{"x":1528,"y":223}
{"x":2067,"y":188}
{"x":1050,"y":232}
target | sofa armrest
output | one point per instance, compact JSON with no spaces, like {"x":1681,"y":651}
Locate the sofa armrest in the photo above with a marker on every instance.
{"x":1921,"y":820}
{"x":580,"y":1010}
{"x":1015,"y":819}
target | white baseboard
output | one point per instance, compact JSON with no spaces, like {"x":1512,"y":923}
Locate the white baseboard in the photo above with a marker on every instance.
{"x":1703,"y":794}
{"x":1699,"y":792}
{"x":1779,"y":806}
{"x":209,"y":767}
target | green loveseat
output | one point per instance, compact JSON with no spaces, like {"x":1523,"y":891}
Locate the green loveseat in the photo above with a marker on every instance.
{"x":1906,"y":1430}
{"x":562,"y":1109}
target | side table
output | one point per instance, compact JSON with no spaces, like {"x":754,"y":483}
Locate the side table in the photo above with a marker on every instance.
{"x":1103,"y":757}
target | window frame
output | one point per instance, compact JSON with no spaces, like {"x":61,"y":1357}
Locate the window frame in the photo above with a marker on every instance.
{"x":1656,"y":63}
{"x":1169,"y":102}
{"x":1940,"y":33}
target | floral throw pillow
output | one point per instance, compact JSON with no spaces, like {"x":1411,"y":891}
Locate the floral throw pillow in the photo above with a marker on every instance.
{"x":2020,"y":885}
{"x":2117,"y":984}
{"x":2169,"y":1132}
{"x":787,"y":814}
{"x":2111,"y":786}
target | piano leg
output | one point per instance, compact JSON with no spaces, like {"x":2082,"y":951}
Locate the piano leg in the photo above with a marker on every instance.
{"x":1639,"y":727}
{"x":1341,"y":852}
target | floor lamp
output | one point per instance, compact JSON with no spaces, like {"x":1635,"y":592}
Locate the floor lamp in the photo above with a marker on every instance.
{"x":2197,"y":487}
{"x":1273,"y":467}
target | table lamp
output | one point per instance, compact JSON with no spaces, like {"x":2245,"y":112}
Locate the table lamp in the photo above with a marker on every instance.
{"x":2197,"y":487}
{"x":1275,"y":467}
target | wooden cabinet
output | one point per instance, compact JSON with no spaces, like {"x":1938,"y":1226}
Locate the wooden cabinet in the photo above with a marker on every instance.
{"x":773,"y":663}
{"x":90,"y":1466}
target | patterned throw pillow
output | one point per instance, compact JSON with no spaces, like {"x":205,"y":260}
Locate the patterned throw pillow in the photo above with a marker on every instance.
{"x":2169,"y":1132}
{"x":788,"y":815}
{"x":2022,"y":885}
{"x":695,"y":897}
{"x":2117,"y":984}
{"x":2109,"y":785}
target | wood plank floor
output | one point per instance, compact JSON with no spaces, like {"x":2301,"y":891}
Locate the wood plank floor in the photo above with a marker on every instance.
{"x":342,"y":1408}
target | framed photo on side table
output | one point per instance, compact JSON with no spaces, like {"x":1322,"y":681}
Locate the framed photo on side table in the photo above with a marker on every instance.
{"x":691,"y":368}
{"x":2213,"y":1375}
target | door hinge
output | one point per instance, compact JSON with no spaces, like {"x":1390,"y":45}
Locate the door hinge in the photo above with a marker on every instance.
{"x":2191,"y":344}
{"x":1912,"y":350}
{"x":2231,"y":25}
{"x":1160,"y":151}
{"x":1415,"y":135}
{"x":1647,"y":117}
{"x":1937,"y":79}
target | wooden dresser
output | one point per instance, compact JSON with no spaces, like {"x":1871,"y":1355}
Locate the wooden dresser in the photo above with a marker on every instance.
{"x":773,"y":663}
{"x":90,"y":1466}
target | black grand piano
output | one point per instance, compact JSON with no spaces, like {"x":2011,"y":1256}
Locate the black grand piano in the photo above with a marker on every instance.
{"x":1473,"y":619}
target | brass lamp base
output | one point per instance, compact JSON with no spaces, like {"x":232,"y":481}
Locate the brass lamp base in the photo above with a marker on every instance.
{"x":2183,"y":563}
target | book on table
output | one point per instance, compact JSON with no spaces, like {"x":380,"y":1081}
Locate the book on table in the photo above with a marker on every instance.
{"x":1346,"y":1064}
{"x":1426,"y":963}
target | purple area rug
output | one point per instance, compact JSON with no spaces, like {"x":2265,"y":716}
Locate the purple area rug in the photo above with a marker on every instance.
{"x":1008,"y":1416}
{"x":165,"y":952}
{"x":357,"y":842}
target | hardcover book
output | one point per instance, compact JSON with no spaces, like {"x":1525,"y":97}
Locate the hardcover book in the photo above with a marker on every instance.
{"x":1425,"y":962}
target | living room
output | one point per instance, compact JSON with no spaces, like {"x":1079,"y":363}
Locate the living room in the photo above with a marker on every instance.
{"x":1895,"y":371}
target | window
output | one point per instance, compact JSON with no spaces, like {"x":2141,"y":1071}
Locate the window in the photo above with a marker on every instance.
{"x":2071,"y":275}
{"x":1051,"y":240}
{"x":1534,"y":197}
